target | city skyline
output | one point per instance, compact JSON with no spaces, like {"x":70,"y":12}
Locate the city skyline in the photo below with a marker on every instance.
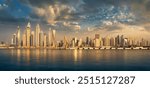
{"x":37,"y":38}
{"x":77,"y":18}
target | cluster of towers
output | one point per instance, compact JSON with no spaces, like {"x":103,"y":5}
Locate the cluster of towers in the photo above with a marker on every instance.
{"x":98,"y":41}
{"x":36,"y":39}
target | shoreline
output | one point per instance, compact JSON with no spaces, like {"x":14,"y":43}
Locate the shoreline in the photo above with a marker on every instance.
{"x":85,"y":48}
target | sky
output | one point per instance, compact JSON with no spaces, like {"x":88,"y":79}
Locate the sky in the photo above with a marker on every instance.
{"x":79,"y":18}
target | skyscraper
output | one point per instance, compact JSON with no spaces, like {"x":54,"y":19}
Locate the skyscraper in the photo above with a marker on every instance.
{"x":24,"y":43}
{"x":18,"y":41}
{"x":32,"y":39}
{"x":28,"y":33}
{"x":37,"y":35}
{"x":53,"y":38}
{"x":107,"y":41}
{"x":118,"y":41}
{"x":65,"y":42}
{"x":49,"y":37}
{"x":87,"y":41}
{"x":126,"y":42}
{"x":41,"y":38}
{"x":80,"y":43}
{"x":122,"y":40}
{"x":45,"y":40}
{"x":73,"y":43}
{"x":97,"y":41}
{"x":101,"y":41}
{"x":14,"y":39}
{"x":112,"y":41}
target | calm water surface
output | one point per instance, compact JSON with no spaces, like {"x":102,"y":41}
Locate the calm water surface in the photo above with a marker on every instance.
{"x":74,"y":60}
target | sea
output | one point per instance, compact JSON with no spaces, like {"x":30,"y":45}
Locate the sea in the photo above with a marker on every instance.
{"x":74,"y":60}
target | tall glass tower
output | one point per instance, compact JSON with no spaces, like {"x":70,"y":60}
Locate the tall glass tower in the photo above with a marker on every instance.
{"x":38,"y":30}
{"x":18,"y":42}
{"x":28,"y":33}
{"x":53,"y":38}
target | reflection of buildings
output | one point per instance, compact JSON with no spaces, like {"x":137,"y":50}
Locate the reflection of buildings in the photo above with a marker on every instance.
{"x":18,"y":55}
{"x":28,"y":56}
{"x":75,"y":54}
{"x":39,"y":39}
{"x":37,"y":54}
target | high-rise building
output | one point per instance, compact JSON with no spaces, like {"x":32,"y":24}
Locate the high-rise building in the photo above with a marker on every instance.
{"x":112,"y":41}
{"x":72,"y":43}
{"x":41,"y":38}
{"x":96,"y":42}
{"x":14,"y":39}
{"x":80,"y":43}
{"x":65,"y":42}
{"x":107,"y":41}
{"x":24,"y":43}
{"x":18,"y":40}
{"x":122,"y":40}
{"x":53,"y":38}
{"x":37,"y":41}
{"x":75,"y":41}
{"x":49,"y":37}
{"x":125,"y":42}
{"x":118,"y":41}
{"x":28,"y":33}
{"x":101,"y":41}
{"x":129,"y":42}
{"x":32,"y":39}
{"x":87,"y":41}
{"x":45,"y":40}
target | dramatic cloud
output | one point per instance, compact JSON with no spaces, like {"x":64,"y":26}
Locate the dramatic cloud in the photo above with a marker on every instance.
{"x":79,"y":15}
{"x":54,"y":13}
{"x":72,"y":25}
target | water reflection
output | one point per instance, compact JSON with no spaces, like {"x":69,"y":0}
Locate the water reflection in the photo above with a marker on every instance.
{"x":44,"y":55}
{"x":75,"y":54}
{"x":37,"y":55}
{"x":18,"y":55}
{"x":28,"y":56}
{"x":80,"y":54}
{"x":12,"y":52}
{"x":89,"y":59}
